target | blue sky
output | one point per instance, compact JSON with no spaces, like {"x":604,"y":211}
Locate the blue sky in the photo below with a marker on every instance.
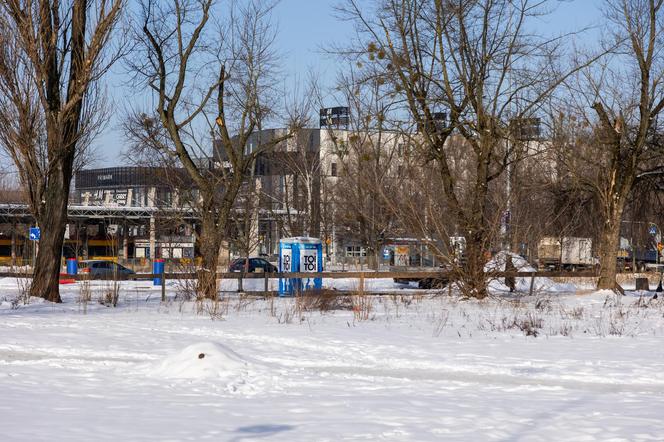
{"x":308,"y":26}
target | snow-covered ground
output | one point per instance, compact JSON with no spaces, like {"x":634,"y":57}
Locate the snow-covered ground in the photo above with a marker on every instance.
{"x":404,"y":367}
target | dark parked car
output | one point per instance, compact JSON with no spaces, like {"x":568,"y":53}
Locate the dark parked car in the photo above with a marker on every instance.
{"x":255,"y":265}
{"x":437,"y":282}
{"x":100,"y":269}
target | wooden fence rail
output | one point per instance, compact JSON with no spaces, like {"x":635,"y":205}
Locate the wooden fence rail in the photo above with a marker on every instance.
{"x":361,"y":276}
{"x":326,"y":275}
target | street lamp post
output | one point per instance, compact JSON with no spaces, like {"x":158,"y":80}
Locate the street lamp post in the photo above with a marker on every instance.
{"x":658,"y":238}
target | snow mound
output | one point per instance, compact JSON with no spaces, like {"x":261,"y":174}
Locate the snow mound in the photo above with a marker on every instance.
{"x":201,"y":361}
{"x":497,"y":264}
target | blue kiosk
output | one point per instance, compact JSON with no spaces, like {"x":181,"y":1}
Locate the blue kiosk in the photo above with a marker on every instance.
{"x":300,"y":254}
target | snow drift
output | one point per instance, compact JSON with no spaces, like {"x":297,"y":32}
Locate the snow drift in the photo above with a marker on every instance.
{"x":497,"y":264}
{"x":201,"y":361}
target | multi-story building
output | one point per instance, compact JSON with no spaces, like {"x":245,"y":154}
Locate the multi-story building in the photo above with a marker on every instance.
{"x":295,"y":189}
{"x":149,"y":220}
{"x":312,"y":179}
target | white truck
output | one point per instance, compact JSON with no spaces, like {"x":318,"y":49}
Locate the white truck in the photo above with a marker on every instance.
{"x":565,"y":253}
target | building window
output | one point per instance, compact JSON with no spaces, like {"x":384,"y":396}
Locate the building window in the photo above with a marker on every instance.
{"x":333,"y":169}
{"x":163,"y":197}
{"x":139,"y":197}
{"x":355,"y":251}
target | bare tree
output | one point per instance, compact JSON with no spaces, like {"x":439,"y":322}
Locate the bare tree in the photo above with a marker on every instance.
{"x":546,"y":198}
{"x":296,"y":165}
{"x":368,"y":160}
{"x":302,"y":163}
{"x":53,"y":55}
{"x":478,"y":63}
{"x":211,"y":80}
{"x":245,"y":236}
{"x":626,"y":95}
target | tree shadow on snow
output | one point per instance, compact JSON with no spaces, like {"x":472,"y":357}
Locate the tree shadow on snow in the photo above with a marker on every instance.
{"x":260,"y":431}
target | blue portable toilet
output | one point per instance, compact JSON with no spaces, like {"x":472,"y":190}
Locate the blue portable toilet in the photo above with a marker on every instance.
{"x":300,"y":255}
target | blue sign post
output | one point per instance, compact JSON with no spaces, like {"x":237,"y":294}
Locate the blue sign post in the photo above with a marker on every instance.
{"x":35,"y":234}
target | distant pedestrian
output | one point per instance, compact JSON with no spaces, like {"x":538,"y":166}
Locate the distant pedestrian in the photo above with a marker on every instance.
{"x":510,"y":280}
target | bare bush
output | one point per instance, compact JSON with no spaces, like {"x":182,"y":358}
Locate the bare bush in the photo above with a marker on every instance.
{"x":441,"y":322}
{"x":84,"y":295}
{"x":362,"y":306}
{"x":322,"y":301}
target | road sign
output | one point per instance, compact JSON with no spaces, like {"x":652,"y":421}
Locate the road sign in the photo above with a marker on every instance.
{"x":35,"y":233}
{"x":652,"y":230}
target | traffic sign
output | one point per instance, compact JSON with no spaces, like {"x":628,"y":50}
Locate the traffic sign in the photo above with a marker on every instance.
{"x":652,"y":230}
{"x":35,"y":233}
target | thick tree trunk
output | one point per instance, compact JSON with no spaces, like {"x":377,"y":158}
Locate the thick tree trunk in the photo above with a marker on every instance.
{"x":376,"y":253}
{"x":473,"y":281}
{"x":372,"y":260}
{"x":608,"y":253}
{"x":52,"y":221}
{"x":610,"y":235}
{"x":62,"y":131}
{"x":210,"y":243}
